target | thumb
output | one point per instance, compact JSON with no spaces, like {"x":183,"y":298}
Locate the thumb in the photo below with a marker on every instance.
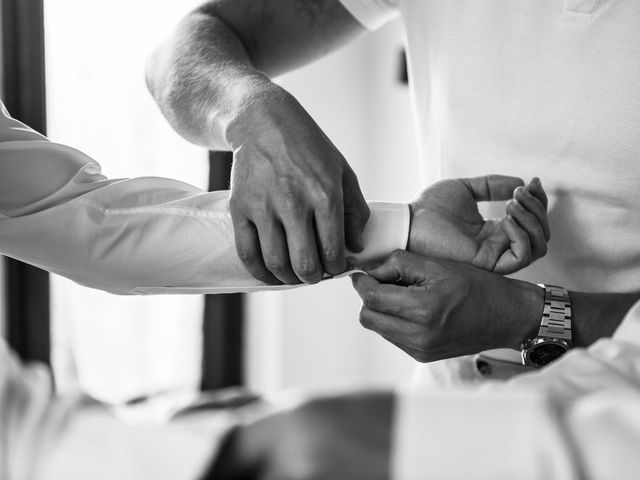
{"x":402,"y":268}
{"x":492,"y":187}
{"x":356,"y":212}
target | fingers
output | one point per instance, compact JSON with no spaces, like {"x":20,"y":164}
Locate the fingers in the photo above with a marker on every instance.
{"x":519,"y":254}
{"x":303,"y":250}
{"x":386,"y":298}
{"x":389,"y":326}
{"x":275,"y":254}
{"x":530,"y":224}
{"x":356,"y":211}
{"x":249,"y":251}
{"x":492,"y":187}
{"x":535,"y":188}
{"x":330,"y":225}
{"x":404,"y":268}
{"x":409,"y":336}
{"x":535,"y":200}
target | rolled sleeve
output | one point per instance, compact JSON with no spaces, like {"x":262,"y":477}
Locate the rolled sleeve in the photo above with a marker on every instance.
{"x":371,"y":13}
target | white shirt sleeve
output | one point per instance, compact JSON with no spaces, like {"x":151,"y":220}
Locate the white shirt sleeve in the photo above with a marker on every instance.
{"x":580,"y":414}
{"x":371,"y":13}
{"x":131,"y":236}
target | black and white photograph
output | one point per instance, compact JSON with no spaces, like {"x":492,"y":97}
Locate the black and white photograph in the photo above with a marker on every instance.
{"x":320,"y":240}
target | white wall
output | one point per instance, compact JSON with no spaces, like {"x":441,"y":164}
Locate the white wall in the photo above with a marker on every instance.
{"x":311,"y":336}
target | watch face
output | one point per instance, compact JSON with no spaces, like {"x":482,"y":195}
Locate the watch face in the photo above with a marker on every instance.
{"x":545,"y":353}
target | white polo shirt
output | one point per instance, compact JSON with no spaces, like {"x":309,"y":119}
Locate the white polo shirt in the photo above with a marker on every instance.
{"x":547,"y":88}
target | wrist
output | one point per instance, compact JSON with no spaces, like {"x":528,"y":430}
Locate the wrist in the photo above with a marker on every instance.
{"x":256,"y":99}
{"x":526,"y":312}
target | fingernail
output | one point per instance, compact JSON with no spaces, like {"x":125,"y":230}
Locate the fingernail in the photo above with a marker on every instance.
{"x":518,"y":190}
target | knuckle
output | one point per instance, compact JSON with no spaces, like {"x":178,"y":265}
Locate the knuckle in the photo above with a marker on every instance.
{"x":364,"y":320}
{"x":397,"y":256}
{"x":290,"y":200}
{"x":331,"y":255}
{"x":371,"y":300}
{"x":238,"y":200}
{"x":246,"y":255}
{"x":325,"y":197}
{"x":421,"y":313}
{"x":275,"y":265}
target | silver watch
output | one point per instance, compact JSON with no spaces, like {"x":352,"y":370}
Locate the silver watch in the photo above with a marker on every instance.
{"x":554,"y":337}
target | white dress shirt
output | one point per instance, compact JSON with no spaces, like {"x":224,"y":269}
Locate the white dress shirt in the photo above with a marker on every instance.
{"x":578,"y":418}
{"x":131,"y":236}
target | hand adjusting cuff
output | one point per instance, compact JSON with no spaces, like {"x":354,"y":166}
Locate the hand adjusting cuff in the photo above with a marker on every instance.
{"x":554,"y":336}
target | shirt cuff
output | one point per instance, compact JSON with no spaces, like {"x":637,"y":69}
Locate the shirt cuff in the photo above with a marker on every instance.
{"x":475,"y":433}
{"x":99,"y":446}
{"x":372,"y":14}
{"x":387,"y":230}
{"x":629,"y":328}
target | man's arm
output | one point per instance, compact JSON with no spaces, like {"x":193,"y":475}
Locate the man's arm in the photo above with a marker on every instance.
{"x":137,"y":235}
{"x":295,"y":201}
{"x":435,"y":309}
{"x":216,"y":66}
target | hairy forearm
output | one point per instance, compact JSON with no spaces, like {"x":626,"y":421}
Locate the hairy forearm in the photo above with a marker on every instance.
{"x":216,"y":66}
{"x":203,"y":79}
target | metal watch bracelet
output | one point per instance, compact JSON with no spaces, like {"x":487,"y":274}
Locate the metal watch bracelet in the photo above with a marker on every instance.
{"x":557,"y":314}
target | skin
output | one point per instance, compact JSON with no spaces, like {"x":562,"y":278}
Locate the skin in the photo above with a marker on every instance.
{"x":337,"y":437}
{"x":295,"y":202}
{"x":446,"y":223}
{"x":435,"y":309}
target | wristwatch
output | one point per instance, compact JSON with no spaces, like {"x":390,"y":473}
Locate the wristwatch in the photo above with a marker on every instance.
{"x":554,"y":337}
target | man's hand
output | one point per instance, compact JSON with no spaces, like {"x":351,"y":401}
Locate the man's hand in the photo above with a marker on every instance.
{"x":434,"y":309}
{"x":345,"y":437}
{"x":446,"y":223}
{"x":294,"y":199}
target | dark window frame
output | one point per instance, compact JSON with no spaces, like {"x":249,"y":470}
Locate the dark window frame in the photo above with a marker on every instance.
{"x":223,"y":323}
{"x":23,"y":71}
